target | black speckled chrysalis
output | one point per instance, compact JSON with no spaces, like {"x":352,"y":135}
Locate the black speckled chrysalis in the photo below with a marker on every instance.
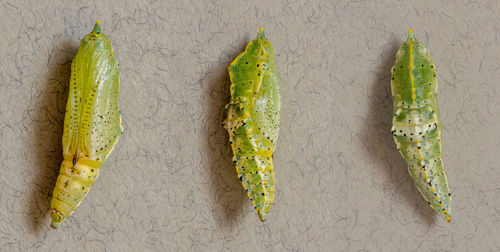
{"x":416,"y":122}
{"x":92,"y":124}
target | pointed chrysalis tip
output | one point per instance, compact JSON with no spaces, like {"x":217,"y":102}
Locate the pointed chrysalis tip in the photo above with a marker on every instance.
{"x":410,"y":34}
{"x":97,"y":27}
{"x":262,"y":35}
{"x":262,"y":216}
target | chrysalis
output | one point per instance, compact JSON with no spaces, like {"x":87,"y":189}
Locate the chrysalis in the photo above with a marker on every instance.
{"x":253,"y":118}
{"x":416,"y":122}
{"x":92,"y":124}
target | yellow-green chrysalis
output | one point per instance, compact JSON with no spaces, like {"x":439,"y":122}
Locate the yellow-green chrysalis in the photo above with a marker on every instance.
{"x":416,"y":122}
{"x":92,"y":124}
{"x":253,"y":117}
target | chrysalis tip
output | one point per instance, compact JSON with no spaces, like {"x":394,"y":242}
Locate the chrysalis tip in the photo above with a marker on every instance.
{"x":262,"y":35}
{"x":410,"y":34}
{"x":262,"y":215}
{"x":97,"y":27}
{"x":55,"y":224}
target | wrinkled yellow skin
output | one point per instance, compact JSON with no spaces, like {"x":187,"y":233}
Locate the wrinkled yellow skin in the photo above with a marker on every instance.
{"x":92,"y":124}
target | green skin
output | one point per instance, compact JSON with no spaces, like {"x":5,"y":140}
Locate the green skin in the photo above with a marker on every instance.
{"x":416,"y":123}
{"x":253,"y":121}
{"x":92,"y":124}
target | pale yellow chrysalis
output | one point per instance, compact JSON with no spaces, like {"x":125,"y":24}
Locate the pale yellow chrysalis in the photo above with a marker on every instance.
{"x":92,"y":124}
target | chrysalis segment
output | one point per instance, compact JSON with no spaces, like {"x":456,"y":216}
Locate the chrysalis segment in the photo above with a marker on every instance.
{"x":92,"y":124}
{"x":253,"y":117}
{"x":416,"y":122}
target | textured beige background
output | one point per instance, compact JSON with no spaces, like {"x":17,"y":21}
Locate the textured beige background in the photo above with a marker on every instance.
{"x":170,"y":184}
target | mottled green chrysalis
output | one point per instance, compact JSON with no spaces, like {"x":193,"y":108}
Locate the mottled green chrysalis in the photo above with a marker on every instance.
{"x":253,"y":118}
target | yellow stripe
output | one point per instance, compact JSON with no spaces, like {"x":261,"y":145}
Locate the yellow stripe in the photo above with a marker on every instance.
{"x":411,"y":72}
{"x":445,"y":212}
{"x":448,"y":219}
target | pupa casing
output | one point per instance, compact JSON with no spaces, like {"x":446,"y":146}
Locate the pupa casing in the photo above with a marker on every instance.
{"x":92,"y":123}
{"x":417,"y":124}
{"x":253,"y":117}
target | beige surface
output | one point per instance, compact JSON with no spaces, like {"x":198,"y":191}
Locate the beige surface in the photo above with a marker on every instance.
{"x":170,"y":185}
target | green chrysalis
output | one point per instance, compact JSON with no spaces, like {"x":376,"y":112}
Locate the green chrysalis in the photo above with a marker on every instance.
{"x":416,"y":122}
{"x":253,"y":117}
